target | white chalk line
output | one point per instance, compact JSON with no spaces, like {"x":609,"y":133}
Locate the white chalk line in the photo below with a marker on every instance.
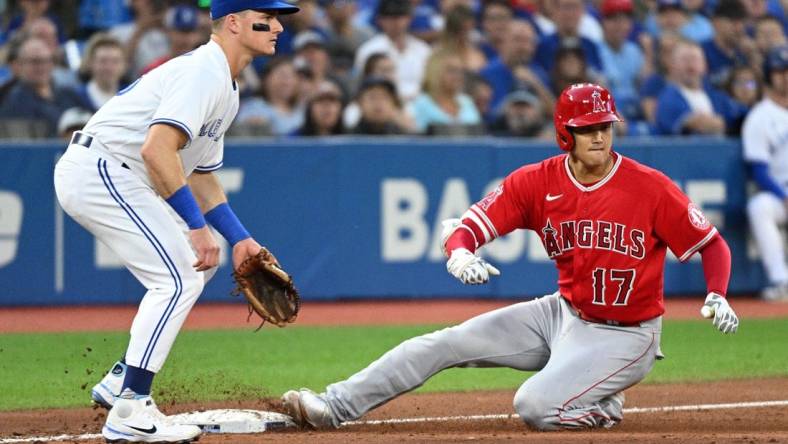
{"x":426,"y":419}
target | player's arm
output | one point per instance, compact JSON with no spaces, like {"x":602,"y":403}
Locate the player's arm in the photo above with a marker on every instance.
{"x":213,"y":202}
{"x":716,"y":258}
{"x":163,"y":164}
{"x":499,"y":213}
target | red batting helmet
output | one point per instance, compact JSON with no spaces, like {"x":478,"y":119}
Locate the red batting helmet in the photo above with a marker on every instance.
{"x":582,"y":104}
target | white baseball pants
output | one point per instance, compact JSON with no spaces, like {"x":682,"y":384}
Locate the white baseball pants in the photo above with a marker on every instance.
{"x":131,"y":219}
{"x":767,"y":213}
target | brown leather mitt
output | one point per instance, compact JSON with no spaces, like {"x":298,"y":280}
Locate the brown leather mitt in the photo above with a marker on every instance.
{"x":268,"y":289}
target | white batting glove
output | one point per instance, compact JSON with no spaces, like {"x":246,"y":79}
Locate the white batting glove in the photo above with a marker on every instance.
{"x":449,"y":225}
{"x":725,"y":318}
{"x":469,"y":268}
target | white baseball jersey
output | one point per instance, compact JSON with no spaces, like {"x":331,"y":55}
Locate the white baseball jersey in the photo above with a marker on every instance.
{"x":194,"y":92}
{"x":765,"y":139}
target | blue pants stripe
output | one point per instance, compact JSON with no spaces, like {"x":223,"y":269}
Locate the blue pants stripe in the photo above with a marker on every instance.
{"x":159,"y":250}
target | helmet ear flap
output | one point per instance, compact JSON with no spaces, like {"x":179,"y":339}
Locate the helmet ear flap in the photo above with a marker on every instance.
{"x":566,"y":141}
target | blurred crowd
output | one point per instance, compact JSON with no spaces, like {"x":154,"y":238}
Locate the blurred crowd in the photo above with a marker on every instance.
{"x":380,"y":67}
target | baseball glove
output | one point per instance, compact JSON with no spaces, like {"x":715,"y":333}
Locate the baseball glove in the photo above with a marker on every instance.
{"x":268,"y":289}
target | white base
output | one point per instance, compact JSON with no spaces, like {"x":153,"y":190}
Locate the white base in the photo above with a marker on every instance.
{"x":234,"y":421}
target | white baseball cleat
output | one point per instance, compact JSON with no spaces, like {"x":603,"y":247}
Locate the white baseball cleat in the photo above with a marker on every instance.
{"x":105,"y":392}
{"x":135,"y":418}
{"x":309,"y":409}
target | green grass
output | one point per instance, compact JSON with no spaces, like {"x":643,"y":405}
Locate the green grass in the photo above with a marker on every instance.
{"x":58,"y":370}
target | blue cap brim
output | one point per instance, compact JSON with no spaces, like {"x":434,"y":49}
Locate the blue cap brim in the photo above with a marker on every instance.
{"x":282,"y":8}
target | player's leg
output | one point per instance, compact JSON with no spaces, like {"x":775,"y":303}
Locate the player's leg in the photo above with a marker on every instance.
{"x":515,"y":336}
{"x":590,"y":365}
{"x":766,"y":214}
{"x":117,"y":208}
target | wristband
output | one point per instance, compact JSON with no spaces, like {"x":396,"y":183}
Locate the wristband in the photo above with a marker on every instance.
{"x":183,"y":202}
{"x":227,"y":224}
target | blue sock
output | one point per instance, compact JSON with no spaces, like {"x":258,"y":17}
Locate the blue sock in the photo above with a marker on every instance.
{"x":138,"y":380}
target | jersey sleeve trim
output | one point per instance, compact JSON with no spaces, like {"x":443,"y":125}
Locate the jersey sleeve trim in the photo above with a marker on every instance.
{"x":698,"y":246}
{"x":180,"y":125}
{"x":209,"y":168}
{"x":482,"y":222}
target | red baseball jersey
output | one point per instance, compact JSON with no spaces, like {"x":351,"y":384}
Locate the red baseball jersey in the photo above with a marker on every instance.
{"x":608,"y":239}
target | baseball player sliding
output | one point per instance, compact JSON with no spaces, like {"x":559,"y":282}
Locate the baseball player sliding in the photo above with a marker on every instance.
{"x":146,"y":155}
{"x":606,"y":221}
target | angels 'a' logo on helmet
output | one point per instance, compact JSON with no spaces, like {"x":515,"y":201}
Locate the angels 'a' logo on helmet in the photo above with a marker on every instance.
{"x":697,"y":218}
{"x":599,"y":105}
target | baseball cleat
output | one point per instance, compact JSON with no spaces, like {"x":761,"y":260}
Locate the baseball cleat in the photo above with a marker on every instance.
{"x":309,"y":409}
{"x":136,"y":418}
{"x":109,"y":387}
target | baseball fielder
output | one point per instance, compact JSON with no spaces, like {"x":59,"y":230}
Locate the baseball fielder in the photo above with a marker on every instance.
{"x":765,"y":140}
{"x":606,"y":221}
{"x":146,"y":155}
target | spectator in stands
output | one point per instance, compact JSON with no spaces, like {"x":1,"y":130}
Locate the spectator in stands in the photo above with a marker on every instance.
{"x":182,"y":24}
{"x":769,"y":34}
{"x":44,"y":28}
{"x":515,"y":68}
{"x":31,"y":10}
{"x":698,"y":27}
{"x":654,"y":84}
{"x":670,"y":16}
{"x":457,"y":37}
{"x":381,"y":108}
{"x":521,"y":116}
{"x":496,"y":16}
{"x":730,"y":46}
{"x":144,"y":37}
{"x":35,"y":97}
{"x":687,"y":105}
{"x":344,"y":35}
{"x":380,"y":64}
{"x":567,"y":23}
{"x":410,"y":53}
{"x":545,"y":14}
{"x":570,"y":67}
{"x":745,"y":88}
{"x":481,"y":93}
{"x":323,"y":112}
{"x":311,"y":60}
{"x":443,"y":102}
{"x":72,"y":119}
{"x":103,"y":68}
{"x":428,"y":19}
{"x":277,"y":110}
{"x":100,"y":15}
{"x":622,"y":60}
{"x":764,"y":149}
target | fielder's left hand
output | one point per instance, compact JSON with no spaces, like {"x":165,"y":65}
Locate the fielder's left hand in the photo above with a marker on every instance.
{"x":725,"y":318}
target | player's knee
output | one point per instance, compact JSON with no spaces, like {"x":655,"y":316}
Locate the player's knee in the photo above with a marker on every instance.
{"x":759,"y":206}
{"x":534,"y":410}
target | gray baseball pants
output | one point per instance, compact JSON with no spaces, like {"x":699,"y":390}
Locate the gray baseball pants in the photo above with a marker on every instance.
{"x":580,"y":364}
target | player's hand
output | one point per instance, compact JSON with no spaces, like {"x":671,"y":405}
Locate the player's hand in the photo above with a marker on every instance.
{"x":244,"y":249}
{"x":469,"y":268}
{"x":205,"y":247}
{"x":449,"y":225}
{"x":717,"y":307}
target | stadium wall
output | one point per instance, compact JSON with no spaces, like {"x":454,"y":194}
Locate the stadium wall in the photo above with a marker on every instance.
{"x":352,"y":218}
